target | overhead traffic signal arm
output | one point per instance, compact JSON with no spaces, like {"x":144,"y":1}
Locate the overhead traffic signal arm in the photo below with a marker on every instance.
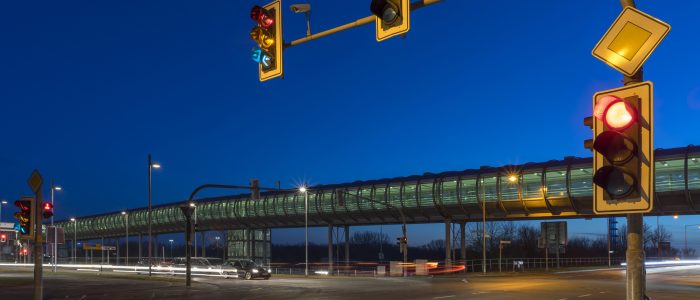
{"x":623,"y":161}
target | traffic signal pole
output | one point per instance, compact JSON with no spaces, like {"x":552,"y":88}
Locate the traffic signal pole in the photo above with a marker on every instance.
{"x":364,"y":21}
{"x":636,"y":281}
{"x":38,"y":253}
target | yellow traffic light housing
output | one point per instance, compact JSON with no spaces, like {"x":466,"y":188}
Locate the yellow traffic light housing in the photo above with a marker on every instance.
{"x":392,"y":17}
{"x":623,"y":150}
{"x":268,"y":35}
{"x":25,"y":218}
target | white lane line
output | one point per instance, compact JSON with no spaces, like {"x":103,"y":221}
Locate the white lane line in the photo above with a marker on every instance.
{"x":603,"y":292}
{"x":584,"y":295}
{"x":564,"y":299}
{"x":256,"y":289}
{"x":443,"y":297}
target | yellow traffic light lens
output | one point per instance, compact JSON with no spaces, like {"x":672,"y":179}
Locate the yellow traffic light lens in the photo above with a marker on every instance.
{"x":619,"y":115}
{"x":262,"y":37}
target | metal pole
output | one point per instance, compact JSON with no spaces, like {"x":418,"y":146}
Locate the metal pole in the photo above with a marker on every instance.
{"x":448,"y":244}
{"x":306,"y":232}
{"x":346,"y":231}
{"x":635,"y":257}
{"x":149,"y":216}
{"x":357,"y":23}
{"x":330,"y":249}
{"x":483,"y":228}
{"x":127,"y":238}
{"x":609,"y":262}
{"x":38,"y":250}
{"x":53,"y":245}
{"x":500,"y":254}
{"x":462,"y":243}
{"x":75,"y":239}
{"x":635,"y":240}
{"x":195,"y":231}
{"x":685,"y":232}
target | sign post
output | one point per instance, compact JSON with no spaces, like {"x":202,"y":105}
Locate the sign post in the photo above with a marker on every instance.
{"x":35,"y":181}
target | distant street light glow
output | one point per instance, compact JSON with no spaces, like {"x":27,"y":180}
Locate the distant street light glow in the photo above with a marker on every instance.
{"x":155,"y":165}
{"x":72,"y":219}
{"x":57,"y":187}
{"x":512,"y":178}
{"x":302,"y":189}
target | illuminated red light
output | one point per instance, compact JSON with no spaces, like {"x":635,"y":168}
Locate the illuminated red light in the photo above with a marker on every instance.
{"x":615,"y":112}
{"x":48,"y":206}
{"x":260,"y":15}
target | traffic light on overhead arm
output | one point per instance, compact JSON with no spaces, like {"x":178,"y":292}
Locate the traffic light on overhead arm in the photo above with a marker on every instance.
{"x":268,"y":35}
{"x":392,"y":17}
{"x":623,"y":156}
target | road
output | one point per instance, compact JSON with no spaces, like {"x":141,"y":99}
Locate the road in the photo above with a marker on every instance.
{"x":662,"y":283}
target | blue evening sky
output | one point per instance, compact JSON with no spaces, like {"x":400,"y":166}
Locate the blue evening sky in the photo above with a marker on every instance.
{"x":89,"y":88}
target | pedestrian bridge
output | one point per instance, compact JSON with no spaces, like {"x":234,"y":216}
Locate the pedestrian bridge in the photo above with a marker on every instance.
{"x":552,"y":189}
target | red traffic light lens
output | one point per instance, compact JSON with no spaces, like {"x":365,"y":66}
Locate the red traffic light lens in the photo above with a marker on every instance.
{"x":260,"y":15}
{"x":620,"y":115}
{"x":616,"y":113}
{"x":48,"y":206}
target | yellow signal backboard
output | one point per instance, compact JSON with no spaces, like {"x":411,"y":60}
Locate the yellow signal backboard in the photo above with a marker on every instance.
{"x":384,"y":32}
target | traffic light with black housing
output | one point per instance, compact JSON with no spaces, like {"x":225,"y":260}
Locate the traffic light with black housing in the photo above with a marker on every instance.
{"x":268,"y":35}
{"x":47,"y":210}
{"x":25,"y":217}
{"x":623,"y":156}
{"x":393,"y":17}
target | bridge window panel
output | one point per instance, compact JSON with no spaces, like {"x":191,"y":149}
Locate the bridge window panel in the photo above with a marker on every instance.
{"x":426,"y":193}
{"x":250,"y":207}
{"x":468,"y":190}
{"x":300,"y":203}
{"x":409,"y":194}
{"x":270,"y":205}
{"x":365,"y":194}
{"x":556,"y":183}
{"x":289,"y":202}
{"x":694,"y":171}
{"x":380,"y":196}
{"x":487,"y":190}
{"x":531,"y":184}
{"x":581,"y":181}
{"x":260,"y":206}
{"x":395,"y":195}
{"x":240,"y":208}
{"x":509,"y":187}
{"x":351,"y":200}
{"x":670,"y":175}
{"x":313,"y":204}
{"x":277,"y":205}
{"x":448,"y":191}
{"x":326,"y":198}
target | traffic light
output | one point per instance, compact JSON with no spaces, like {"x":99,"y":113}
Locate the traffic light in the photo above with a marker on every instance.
{"x":392,"y":17}
{"x":3,"y":238}
{"x":623,"y":156}
{"x":268,"y":35}
{"x":25,"y":216}
{"x":47,"y":209}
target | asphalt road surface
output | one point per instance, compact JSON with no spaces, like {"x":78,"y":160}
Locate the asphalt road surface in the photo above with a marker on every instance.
{"x":662,"y":283}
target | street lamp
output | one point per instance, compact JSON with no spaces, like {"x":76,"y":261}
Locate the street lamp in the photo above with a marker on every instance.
{"x":686,"y":237}
{"x":55,"y":234}
{"x":2,"y":203}
{"x":171,"y":248}
{"x":303,"y":189}
{"x":75,"y":237}
{"x":126,"y":221}
{"x":151,"y":165}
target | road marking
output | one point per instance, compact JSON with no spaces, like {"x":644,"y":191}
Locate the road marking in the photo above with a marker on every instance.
{"x":443,"y":297}
{"x":603,"y":292}
{"x":584,"y":295}
{"x":256,"y":289}
{"x":563,"y":298}
{"x":465,"y":281}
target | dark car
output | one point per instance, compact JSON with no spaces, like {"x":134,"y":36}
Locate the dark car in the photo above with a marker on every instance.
{"x":244,"y":268}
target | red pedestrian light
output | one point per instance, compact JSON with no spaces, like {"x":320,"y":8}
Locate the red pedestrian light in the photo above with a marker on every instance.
{"x":3,"y":238}
{"x":260,"y":15}
{"x":47,"y":210}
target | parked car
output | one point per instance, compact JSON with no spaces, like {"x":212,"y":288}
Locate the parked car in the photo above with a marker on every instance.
{"x":245,"y":268}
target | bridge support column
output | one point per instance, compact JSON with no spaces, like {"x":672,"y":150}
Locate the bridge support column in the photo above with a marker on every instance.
{"x":330,"y":249}
{"x":140,"y":246}
{"x":463,"y":243}
{"x":347,"y":244}
{"x":203,"y":235}
{"x":448,"y":244}
{"x":102,"y":253}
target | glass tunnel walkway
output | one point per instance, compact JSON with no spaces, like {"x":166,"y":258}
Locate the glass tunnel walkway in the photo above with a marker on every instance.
{"x":553,"y":189}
